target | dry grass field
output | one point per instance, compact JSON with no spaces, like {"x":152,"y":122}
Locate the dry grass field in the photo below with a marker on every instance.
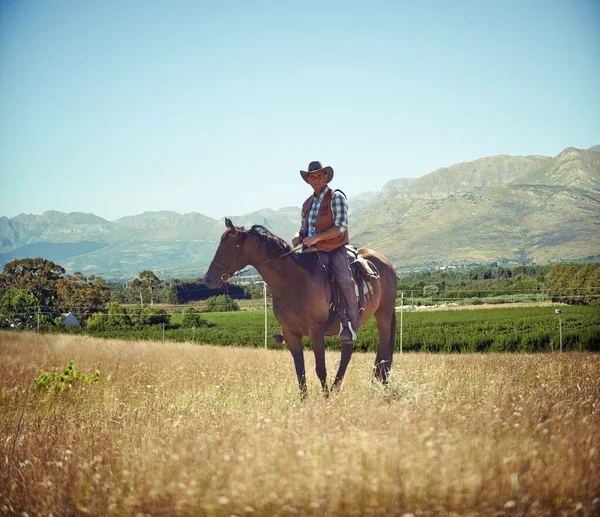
{"x":185,"y":430}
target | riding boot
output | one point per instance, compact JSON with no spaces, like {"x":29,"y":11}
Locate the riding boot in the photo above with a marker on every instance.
{"x":350,"y":326}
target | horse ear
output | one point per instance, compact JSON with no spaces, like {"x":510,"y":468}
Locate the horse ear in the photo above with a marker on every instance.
{"x":230,"y":227}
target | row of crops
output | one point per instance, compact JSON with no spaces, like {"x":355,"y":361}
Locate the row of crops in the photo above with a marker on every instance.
{"x":515,"y":329}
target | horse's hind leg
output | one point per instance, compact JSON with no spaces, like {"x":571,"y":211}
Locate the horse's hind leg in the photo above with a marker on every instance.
{"x":386,"y":324}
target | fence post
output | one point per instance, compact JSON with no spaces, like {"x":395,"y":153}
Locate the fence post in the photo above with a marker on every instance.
{"x":401,"y":318}
{"x":558,"y":311}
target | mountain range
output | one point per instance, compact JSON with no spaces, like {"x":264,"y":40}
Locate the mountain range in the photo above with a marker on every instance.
{"x":507,"y":209}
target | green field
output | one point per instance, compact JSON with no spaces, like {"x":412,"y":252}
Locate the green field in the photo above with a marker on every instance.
{"x":522,"y":329}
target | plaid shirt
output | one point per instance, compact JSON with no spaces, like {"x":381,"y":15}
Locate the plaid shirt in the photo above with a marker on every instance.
{"x":339,"y":209}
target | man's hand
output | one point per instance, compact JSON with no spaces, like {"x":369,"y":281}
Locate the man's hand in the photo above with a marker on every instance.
{"x":331,"y":233}
{"x":296,"y":240}
{"x":310,"y":241}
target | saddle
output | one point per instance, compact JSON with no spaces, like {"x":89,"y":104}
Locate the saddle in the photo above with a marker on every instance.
{"x":363,"y":273}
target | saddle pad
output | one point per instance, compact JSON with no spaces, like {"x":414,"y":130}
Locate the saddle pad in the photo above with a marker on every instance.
{"x":367,"y":268}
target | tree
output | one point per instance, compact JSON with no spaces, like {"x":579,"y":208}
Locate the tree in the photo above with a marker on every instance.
{"x":118,"y":292}
{"x":37,"y":276}
{"x":82,"y":295}
{"x":18,"y":309}
{"x":185,"y":291}
{"x":146,"y":285}
{"x":574,"y":283}
{"x":430,"y":290}
{"x":586,"y":284}
{"x":256,"y":291}
{"x":136,"y":286}
{"x":150,"y":282}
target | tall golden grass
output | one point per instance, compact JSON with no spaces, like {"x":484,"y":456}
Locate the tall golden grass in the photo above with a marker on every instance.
{"x":182,"y":429}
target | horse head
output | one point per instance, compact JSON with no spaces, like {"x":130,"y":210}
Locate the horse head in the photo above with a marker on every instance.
{"x":229,"y":257}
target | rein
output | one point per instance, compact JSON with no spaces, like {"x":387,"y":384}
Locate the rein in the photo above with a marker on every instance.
{"x":278,"y":257}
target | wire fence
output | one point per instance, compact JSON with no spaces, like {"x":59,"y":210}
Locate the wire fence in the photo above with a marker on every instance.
{"x":420,"y":297}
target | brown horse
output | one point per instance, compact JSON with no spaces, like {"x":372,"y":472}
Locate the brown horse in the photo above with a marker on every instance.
{"x":300,"y":296}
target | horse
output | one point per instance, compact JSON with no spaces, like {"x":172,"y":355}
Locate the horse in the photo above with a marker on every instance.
{"x":300,"y":297}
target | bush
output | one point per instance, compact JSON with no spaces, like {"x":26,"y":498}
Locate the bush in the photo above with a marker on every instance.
{"x":117,"y":316}
{"x":99,"y":322}
{"x":67,"y":379}
{"x":192,"y":319}
{"x":221,"y":303}
{"x":156,"y":316}
{"x":148,"y":316}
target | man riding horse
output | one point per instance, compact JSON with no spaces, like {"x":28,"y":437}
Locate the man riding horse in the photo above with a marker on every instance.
{"x":324,"y":226}
{"x":300,"y":294}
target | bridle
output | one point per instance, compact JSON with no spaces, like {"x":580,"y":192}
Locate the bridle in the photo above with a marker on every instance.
{"x":226,"y":274}
{"x":239,"y":242}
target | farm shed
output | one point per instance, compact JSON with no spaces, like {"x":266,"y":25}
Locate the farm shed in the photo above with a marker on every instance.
{"x":69,"y":320}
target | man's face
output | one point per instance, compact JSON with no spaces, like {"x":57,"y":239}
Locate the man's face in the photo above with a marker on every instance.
{"x":317,"y":180}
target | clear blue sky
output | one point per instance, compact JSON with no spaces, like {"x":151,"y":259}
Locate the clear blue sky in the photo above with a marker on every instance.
{"x":121,"y":107}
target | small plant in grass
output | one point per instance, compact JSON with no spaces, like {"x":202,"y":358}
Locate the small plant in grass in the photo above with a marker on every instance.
{"x":396,"y":388}
{"x":60,"y":381}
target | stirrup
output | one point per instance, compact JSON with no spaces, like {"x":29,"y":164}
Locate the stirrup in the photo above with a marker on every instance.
{"x":352,"y":332}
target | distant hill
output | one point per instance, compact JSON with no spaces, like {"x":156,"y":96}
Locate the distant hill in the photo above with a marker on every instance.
{"x":503,"y":208}
{"x":58,"y":252}
{"x":166,"y":242}
{"x":148,"y":215}
{"x":497,"y":209}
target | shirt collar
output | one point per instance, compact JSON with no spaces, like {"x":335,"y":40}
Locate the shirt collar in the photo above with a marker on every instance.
{"x":322,"y":195}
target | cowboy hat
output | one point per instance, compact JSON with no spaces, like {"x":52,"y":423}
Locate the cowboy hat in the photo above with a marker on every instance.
{"x":317,"y":167}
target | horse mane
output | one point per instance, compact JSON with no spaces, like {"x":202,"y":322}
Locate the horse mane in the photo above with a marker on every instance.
{"x":268,"y":241}
{"x":275,"y":247}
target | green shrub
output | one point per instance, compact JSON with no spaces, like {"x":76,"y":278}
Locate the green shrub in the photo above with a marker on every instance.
{"x":156,"y":316}
{"x":192,"y":319}
{"x":147,"y":316}
{"x":221,"y":303}
{"x":117,"y":316}
{"x":120,"y":318}
{"x":60,"y":381}
{"x":99,"y":322}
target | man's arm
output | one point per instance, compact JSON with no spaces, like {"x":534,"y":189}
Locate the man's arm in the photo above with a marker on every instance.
{"x":300,"y":235}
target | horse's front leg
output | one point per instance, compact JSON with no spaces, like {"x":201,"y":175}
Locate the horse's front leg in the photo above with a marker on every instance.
{"x":317,"y":339}
{"x":294,"y":343}
{"x":347,"y":348}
